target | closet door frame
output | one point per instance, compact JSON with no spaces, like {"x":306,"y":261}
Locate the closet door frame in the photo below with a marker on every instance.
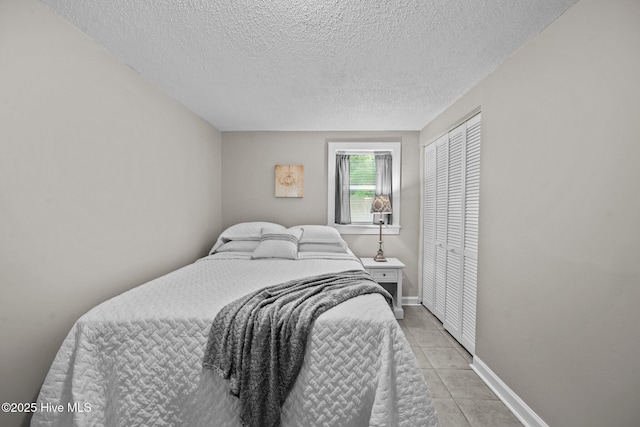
{"x":456,"y":297}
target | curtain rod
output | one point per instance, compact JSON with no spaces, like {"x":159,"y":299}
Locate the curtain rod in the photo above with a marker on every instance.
{"x":360,"y":151}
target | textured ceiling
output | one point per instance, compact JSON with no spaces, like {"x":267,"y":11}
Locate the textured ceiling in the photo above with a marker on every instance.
{"x":313,"y":64}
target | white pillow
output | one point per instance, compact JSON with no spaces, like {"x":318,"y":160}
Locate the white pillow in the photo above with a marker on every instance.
{"x":322,"y":247}
{"x":276,"y":243}
{"x":238,"y":246}
{"x":248,"y":230}
{"x":243,"y":231}
{"x":320,"y":238}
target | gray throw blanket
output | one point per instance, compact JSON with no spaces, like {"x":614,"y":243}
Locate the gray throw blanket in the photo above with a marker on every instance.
{"x":258,"y":341}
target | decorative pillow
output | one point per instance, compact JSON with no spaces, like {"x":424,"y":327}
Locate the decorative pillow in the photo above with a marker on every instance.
{"x":276,"y":243}
{"x":322,"y":247}
{"x":238,"y":246}
{"x":320,"y":238}
{"x":248,"y":230}
{"x":244,"y":231}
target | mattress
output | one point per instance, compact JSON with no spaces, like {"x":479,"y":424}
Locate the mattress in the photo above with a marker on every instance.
{"x":136,"y":359}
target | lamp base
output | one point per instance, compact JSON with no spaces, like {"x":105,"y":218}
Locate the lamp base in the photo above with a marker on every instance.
{"x":380,"y":256}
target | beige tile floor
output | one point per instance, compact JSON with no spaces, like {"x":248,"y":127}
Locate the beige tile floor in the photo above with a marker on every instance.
{"x":461,"y":398}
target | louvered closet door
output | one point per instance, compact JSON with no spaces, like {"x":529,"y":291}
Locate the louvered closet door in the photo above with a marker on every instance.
{"x":453,"y":286}
{"x":451,"y":203}
{"x":429,"y":227}
{"x":442,"y":146}
{"x":471,"y":221}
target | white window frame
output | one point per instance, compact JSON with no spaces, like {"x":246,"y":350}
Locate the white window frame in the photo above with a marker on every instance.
{"x":396,"y":165}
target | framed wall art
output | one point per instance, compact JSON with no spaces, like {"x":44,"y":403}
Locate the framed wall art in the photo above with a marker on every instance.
{"x":289,"y":181}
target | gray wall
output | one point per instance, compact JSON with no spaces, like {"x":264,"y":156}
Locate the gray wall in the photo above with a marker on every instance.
{"x":559,"y":277}
{"x":248,"y":185}
{"x":105,"y":183}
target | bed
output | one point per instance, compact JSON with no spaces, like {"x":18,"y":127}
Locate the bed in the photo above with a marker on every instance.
{"x":136,"y":359}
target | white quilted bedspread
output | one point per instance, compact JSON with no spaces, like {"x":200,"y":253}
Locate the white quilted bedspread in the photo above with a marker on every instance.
{"x":135,"y":360}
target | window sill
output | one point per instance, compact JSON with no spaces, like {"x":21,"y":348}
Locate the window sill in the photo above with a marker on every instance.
{"x":366,"y":229}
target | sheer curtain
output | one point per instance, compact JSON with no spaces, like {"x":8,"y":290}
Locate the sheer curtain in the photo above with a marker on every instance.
{"x":383,"y":182}
{"x":343,"y":203}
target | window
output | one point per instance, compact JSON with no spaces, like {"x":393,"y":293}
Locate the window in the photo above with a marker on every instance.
{"x":369,"y":169}
{"x":362,"y":187}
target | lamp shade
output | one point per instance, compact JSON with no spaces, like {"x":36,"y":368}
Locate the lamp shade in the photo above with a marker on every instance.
{"x":381,"y":205}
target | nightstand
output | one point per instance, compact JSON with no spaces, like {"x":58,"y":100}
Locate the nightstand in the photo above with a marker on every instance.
{"x":388,"y":273}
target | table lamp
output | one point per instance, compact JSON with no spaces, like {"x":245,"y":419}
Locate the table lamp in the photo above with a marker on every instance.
{"x":381,"y":205}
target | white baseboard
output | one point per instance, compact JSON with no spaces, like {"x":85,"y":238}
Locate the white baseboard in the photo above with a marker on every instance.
{"x":511,"y":400}
{"x":410,"y":301}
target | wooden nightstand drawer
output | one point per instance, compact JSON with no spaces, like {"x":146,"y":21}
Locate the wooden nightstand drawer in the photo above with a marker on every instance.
{"x":384,"y":275}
